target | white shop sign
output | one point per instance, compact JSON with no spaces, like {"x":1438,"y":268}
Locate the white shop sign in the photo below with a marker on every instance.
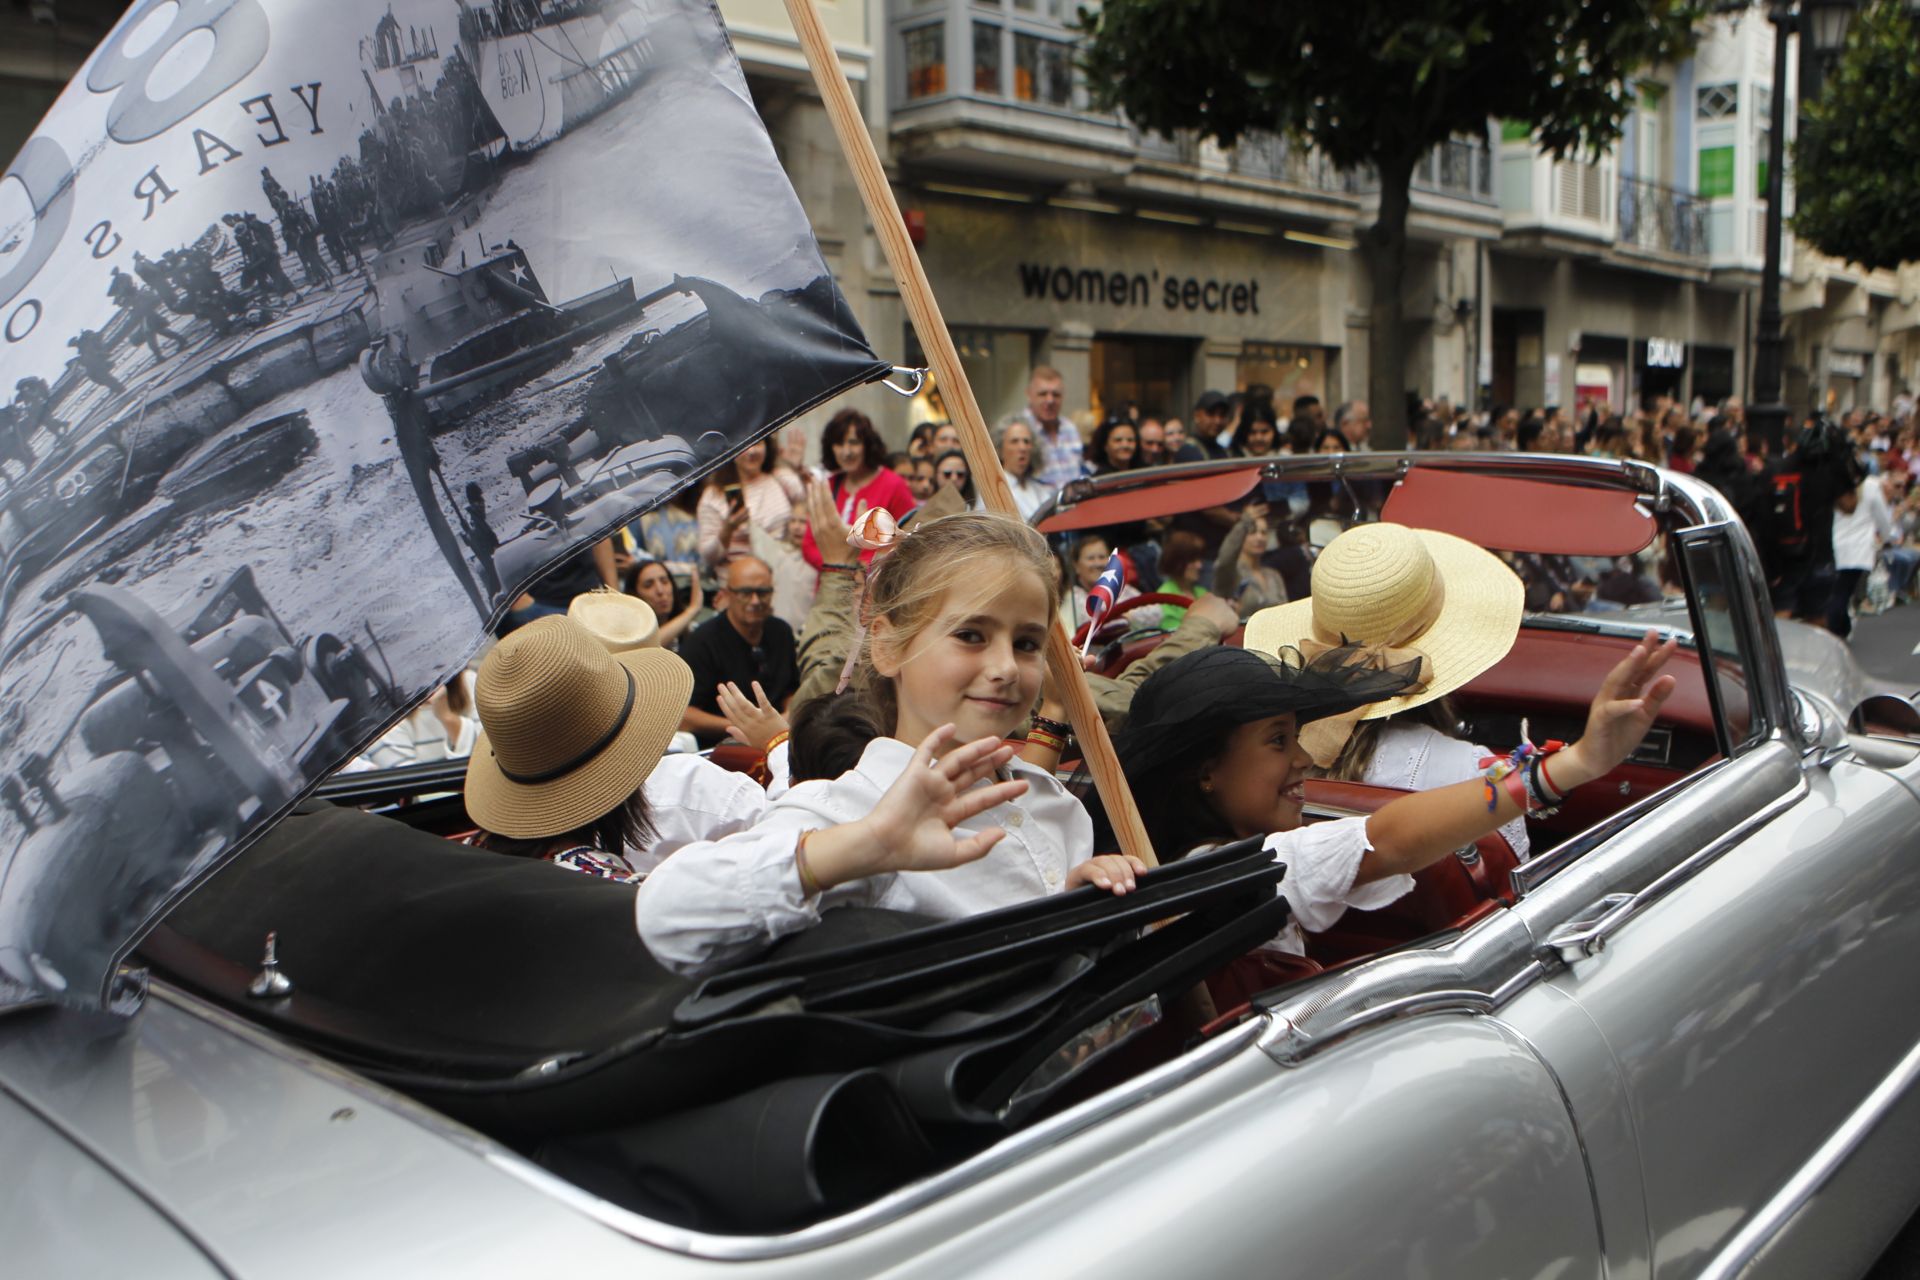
{"x":1666,"y":353}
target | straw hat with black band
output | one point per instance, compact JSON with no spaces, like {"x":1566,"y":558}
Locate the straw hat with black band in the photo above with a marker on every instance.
{"x":569,"y":731}
{"x":1406,"y":593}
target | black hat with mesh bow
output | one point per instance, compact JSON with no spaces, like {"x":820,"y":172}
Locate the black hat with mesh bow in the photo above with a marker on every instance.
{"x":1183,"y":710}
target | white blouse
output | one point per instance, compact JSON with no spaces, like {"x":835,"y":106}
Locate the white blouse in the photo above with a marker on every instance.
{"x":722,"y":901}
{"x":1322,"y":860}
{"x":1029,"y":495}
{"x":693,"y":799}
{"x":1418,"y":757}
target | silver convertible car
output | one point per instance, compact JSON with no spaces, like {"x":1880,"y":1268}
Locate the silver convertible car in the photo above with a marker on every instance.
{"x":1680,"y":1039}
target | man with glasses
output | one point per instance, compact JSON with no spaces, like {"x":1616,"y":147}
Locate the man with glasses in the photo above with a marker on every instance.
{"x":743,"y":645}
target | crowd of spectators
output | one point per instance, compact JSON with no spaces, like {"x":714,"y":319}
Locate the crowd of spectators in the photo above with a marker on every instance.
{"x":737,"y":574}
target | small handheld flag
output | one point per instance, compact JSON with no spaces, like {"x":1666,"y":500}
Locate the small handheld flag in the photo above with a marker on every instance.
{"x":1101,"y":597}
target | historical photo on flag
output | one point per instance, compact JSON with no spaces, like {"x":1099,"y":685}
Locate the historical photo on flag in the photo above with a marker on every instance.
{"x":327,"y":327}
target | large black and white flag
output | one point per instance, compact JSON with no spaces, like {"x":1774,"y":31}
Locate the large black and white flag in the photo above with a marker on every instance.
{"x":327,"y":324}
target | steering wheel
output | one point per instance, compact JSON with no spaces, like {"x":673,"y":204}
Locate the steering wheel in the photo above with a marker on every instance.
{"x":1112,"y":627}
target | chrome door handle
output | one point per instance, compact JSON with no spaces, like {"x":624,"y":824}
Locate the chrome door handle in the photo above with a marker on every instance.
{"x":1585,"y":936}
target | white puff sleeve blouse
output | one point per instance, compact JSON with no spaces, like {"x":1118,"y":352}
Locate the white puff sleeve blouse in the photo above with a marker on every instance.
{"x":718,"y":902}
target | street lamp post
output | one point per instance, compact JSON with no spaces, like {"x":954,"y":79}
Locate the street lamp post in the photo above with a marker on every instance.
{"x":1822,"y":25}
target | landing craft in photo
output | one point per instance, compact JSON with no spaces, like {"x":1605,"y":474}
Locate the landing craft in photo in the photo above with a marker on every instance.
{"x":319,"y":345}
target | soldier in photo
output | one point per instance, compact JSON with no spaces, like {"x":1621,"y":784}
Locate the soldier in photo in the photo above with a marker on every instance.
{"x":154,"y":276}
{"x":143,"y":311}
{"x":14,"y":446}
{"x":387,"y":369}
{"x":95,"y":359}
{"x":33,"y":398}
{"x":481,"y":539}
{"x":260,"y":270}
{"x":331,"y":218}
{"x":202,"y":292}
{"x":303,"y":237}
{"x":276,"y":194}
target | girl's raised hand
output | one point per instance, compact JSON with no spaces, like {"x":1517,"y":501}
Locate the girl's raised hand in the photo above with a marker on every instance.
{"x":911,"y":828}
{"x":1626,"y":706}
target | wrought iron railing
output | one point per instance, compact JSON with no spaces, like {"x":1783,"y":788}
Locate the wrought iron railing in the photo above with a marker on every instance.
{"x":1257,"y":154}
{"x":1460,"y":167}
{"x":1662,"y":218}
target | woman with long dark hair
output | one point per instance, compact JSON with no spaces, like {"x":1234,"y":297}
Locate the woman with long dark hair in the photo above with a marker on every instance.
{"x":652,"y":581}
{"x":745,"y":488}
{"x":1115,"y":447}
{"x":951,"y":471}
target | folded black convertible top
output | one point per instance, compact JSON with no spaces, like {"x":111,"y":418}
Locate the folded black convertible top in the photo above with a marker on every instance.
{"x":516,"y":996}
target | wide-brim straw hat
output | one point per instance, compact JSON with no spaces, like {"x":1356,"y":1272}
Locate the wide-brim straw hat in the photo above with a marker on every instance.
{"x":618,"y":621}
{"x":569,"y":731}
{"x":1386,"y":584}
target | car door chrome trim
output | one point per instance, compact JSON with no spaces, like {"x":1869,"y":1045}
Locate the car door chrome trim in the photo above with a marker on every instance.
{"x":1530,"y":874}
{"x":1500,"y":957}
{"x":1586,"y":936}
{"x":1289,"y":1044}
{"x":1010,"y":1151}
{"x":1767,"y":1221}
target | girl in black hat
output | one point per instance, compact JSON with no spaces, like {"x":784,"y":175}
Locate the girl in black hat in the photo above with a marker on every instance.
{"x":1212,"y":752}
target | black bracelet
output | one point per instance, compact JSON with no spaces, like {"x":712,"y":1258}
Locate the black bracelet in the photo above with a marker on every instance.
{"x":1053,"y":727}
{"x":840,"y":568}
{"x":1549,"y":801}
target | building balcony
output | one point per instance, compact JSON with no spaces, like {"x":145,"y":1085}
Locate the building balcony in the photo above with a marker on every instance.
{"x":1452,"y":192}
{"x":1459,"y":169}
{"x":1660,"y":219}
{"x":1582,"y":207}
{"x":1259,"y":155}
{"x":993,"y":89}
{"x":991,"y":86}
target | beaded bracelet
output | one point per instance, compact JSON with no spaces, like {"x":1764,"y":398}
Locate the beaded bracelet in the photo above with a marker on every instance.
{"x":839,"y":568}
{"x":1521,"y":772}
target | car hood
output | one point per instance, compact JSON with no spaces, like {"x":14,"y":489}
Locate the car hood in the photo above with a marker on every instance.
{"x":285,"y":443}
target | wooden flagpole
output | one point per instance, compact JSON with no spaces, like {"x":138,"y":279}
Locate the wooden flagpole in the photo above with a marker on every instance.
{"x":1068,"y":679}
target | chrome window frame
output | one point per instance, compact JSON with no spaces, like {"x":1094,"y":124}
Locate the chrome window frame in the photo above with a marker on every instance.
{"x":1714,"y":541}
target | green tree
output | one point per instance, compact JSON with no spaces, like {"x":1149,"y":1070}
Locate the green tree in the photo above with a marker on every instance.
{"x":1380,"y":83}
{"x":1856,"y":163}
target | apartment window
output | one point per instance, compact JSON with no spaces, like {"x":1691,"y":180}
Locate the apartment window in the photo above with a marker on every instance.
{"x":986,"y":58}
{"x":926,"y":58}
{"x":1716,"y":172}
{"x":1580,"y":190}
{"x":1042,"y":71}
{"x":1056,"y":9}
{"x":1717,"y":101}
